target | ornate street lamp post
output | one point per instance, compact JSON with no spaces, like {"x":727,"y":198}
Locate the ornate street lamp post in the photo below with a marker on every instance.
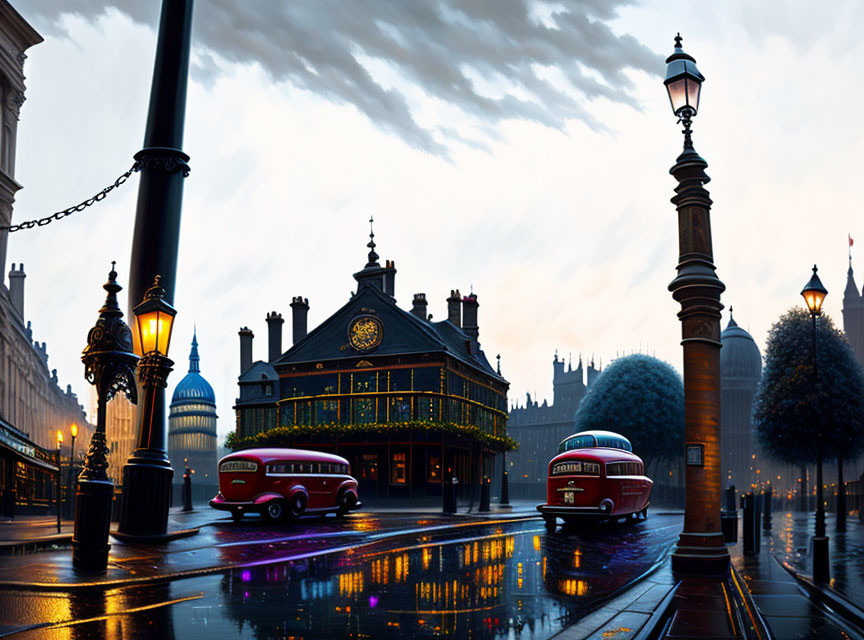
{"x":109,"y":365}
{"x":814,"y":295}
{"x":59,"y":485}
{"x":700,"y":550}
{"x":148,"y":473}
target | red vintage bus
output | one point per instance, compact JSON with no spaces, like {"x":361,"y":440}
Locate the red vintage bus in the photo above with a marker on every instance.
{"x":285,"y":483}
{"x":595,"y":475}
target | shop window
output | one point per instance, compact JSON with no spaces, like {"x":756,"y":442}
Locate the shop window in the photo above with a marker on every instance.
{"x":433,"y":468}
{"x":328,"y":411}
{"x":400,"y":409}
{"x":399,"y":468}
{"x":369,"y":467}
{"x":364,"y":410}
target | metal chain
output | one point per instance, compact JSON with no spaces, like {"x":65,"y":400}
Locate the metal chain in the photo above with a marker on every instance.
{"x":41,"y":222}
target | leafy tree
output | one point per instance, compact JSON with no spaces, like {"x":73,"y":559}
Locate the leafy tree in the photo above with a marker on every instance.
{"x":642,"y":398}
{"x":791,"y":413}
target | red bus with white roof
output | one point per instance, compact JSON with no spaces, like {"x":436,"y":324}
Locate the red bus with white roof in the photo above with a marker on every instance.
{"x":284,"y":484}
{"x":595,"y":475}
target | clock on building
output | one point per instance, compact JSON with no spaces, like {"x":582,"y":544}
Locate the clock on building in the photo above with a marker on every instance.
{"x":364,"y":333}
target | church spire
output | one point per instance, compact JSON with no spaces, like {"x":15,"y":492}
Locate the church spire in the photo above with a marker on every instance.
{"x":193,"y":355}
{"x":732,"y":322}
{"x":373,"y":257}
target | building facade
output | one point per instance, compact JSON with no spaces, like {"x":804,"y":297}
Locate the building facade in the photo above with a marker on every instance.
{"x":539,"y":428}
{"x":33,"y":406}
{"x":409,"y":402}
{"x":192,"y":424}
{"x":740,"y":373}
{"x":121,"y":434}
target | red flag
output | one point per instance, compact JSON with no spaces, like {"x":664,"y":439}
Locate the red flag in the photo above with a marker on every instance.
{"x":851,"y":241}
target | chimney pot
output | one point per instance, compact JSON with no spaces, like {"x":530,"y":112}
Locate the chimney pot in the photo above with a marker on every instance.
{"x":274,"y":331}
{"x":246,"y":337}
{"x":16,"y":288}
{"x":454,"y":307}
{"x":469,"y":315}
{"x":299,"y":313}
{"x":419,"y":305}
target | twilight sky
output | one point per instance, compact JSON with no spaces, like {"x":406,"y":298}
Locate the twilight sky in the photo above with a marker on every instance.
{"x":520,"y":148}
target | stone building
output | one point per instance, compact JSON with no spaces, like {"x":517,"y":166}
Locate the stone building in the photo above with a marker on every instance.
{"x":408,"y":401}
{"x":539,"y":428}
{"x":192,"y":424}
{"x":121,"y":434}
{"x":33,"y":406}
{"x":740,"y":372}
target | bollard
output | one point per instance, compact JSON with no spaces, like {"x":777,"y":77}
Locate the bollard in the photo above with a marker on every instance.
{"x":730,"y":498}
{"x":450,"y":495}
{"x":751,"y":525}
{"x":766,"y":509}
{"x":187,"y":490}
{"x":821,"y":560}
{"x":485,"y":490}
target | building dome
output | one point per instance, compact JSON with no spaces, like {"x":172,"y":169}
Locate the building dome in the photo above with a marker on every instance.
{"x":193,"y":387}
{"x":739,"y":357}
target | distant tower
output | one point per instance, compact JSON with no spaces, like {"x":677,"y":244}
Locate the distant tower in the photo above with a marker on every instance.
{"x":192,"y":424}
{"x":853,"y":315}
{"x":740,"y":372}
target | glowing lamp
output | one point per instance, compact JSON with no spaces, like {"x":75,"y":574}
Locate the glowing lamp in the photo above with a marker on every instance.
{"x":814,"y":293}
{"x":74,"y":430}
{"x":154,"y":319}
{"x":59,"y":438}
{"x":683,"y":81}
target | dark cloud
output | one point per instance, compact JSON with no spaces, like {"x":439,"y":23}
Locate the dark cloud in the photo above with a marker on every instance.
{"x":439,"y":47}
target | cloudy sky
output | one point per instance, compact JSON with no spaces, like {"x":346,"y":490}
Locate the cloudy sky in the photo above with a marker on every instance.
{"x":520,"y":148}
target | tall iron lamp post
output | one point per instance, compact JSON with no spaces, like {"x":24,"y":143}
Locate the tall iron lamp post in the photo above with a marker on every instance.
{"x":814,"y":295}
{"x":59,"y":484}
{"x":147,"y":475}
{"x":700,"y":549}
{"x":109,"y":365}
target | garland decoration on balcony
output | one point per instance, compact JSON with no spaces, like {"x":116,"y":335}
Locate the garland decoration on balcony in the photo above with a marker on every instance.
{"x":284,"y":436}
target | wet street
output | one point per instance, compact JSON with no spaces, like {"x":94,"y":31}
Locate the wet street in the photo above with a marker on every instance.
{"x":373,"y":577}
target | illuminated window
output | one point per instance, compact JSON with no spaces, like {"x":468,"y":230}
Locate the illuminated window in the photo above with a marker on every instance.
{"x":433,"y":468}
{"x":399,"y":469}
{"x":369,"y":467}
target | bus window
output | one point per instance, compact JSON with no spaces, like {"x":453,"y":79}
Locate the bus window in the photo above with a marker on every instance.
{"x":577,"y":442}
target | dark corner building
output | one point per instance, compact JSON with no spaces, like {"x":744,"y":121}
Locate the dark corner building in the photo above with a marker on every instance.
{"x":539,"y":428}
{"x":409,"y":402}
{"x":192,"y":424}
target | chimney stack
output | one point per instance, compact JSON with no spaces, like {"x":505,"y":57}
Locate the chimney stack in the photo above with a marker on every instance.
{"x":454,"y":307}
{"x":469,"y":315}
{"x":299,"y":311}
{"x":419,"y":305}
{"x":274,"y":331}
{"x":246,"y":336}
{"x":16,"y":289}
{"x":390,"y":278}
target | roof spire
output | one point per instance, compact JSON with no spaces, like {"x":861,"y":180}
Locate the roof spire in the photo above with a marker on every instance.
{"x":193,"y":354}
{"x":373,"y":257}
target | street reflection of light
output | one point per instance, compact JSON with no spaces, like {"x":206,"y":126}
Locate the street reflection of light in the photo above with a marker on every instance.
{"x":426,"y":555}
{"x":577,"y":559}
{"x":544,"y":567}
{"x":616,"y":633}
{"x":350,"y":584}
{"x":246,"y":576}
{"x":536,"y":543}
{"x":373,"y":602}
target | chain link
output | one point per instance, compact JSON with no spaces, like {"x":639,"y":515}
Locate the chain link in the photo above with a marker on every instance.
{"x":41,"y":222}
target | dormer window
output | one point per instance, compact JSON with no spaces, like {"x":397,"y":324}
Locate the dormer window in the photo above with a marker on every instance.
{"x":268,"y":389}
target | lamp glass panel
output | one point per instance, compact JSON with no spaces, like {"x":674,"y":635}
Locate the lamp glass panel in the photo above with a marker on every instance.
{"x":694,"y":89}
{"x":148,"y":328}
{"x":164,"y":325}
{"x":814,"y":300}
{"x":74,"y":430}
{"x":677,"y":94}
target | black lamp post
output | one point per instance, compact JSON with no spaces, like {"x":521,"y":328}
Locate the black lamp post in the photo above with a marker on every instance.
{"x":814,"y":295}
{"x":701,"y":549}
{"x":59,"y":485}
{"x":109,"y":365}
{"x":147,"y":474}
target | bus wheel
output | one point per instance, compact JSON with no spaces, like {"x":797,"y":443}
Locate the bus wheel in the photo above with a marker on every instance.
{"x":274,"y":511}
{"x":551,"y":524}
{"x":237,"y":515}
{"x":297,"y":505}
{"x":346,"y":502}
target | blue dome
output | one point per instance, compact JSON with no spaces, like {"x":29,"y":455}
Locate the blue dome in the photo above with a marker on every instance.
{"x":193,"y":387}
